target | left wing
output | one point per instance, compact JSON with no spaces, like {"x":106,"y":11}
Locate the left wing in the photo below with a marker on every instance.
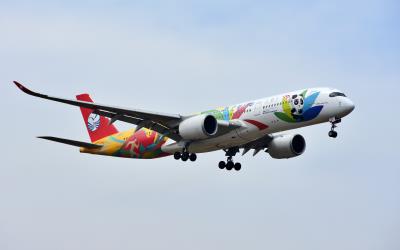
{"x":160,"y":122}
{"x":163,"y":123}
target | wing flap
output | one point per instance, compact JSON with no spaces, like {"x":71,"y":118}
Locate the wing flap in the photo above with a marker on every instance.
{"x":140,"y":123}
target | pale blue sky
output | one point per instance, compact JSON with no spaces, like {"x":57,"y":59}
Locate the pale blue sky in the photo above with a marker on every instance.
{"x":184,"y":57}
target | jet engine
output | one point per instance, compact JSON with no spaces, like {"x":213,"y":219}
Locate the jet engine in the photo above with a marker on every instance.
{"x":198,"y":127}
{"x":286,"y":146}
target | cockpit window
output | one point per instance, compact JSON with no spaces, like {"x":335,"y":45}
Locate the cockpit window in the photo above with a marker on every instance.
{"x":334,"y":94}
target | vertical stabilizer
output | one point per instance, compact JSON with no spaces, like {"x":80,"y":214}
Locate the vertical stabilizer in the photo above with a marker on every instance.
{"x":97,"y":126}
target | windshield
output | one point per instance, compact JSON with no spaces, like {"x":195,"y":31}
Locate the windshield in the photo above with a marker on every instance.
{"x":334,"y":94}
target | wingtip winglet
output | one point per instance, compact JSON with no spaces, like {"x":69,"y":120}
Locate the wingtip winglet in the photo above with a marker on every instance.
{"x":19,"y":85}
{"x":25,"y":89}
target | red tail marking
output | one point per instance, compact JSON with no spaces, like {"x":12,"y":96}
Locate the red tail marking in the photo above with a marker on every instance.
{"x":97,"y":126}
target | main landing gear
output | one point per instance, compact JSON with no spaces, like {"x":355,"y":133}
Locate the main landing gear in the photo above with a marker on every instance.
{"x":229,"y":164}
{"x":185,"y":155}
{"x":333,"y":122}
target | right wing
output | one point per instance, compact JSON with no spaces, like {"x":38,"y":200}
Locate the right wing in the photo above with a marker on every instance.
{"x":258,"y":144}
{"x":160,"y":122}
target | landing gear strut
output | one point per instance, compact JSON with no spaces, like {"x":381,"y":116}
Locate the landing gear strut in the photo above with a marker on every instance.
{"x":229,"y":164}
{"x":332,"y":133}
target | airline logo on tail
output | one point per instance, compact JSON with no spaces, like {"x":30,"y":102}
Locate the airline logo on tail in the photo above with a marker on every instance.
{"x":93,"y":122}
{"x":97,"y":126}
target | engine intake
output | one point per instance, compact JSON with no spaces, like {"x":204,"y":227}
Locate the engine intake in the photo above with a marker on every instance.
{"x":286,"y":146}
{"x":198,"y":127}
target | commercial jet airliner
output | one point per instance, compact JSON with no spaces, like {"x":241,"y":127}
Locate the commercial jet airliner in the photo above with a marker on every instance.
{"x":254,"y":125}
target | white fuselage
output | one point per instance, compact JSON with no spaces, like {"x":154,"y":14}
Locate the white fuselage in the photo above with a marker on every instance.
{"x":264,"y":116}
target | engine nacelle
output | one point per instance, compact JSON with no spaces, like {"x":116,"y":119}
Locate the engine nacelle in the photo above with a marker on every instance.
{"x":198,"y":127}
{"x":286,"y":146}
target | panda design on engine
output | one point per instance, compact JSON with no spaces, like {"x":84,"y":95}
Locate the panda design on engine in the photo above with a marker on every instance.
{"x":297,"y":103}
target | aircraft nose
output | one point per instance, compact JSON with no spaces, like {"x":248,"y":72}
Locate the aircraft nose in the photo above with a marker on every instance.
{"x":348,"y":106}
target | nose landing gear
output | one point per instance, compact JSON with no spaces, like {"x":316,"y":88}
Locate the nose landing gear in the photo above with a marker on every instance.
{"x":332,"y":133}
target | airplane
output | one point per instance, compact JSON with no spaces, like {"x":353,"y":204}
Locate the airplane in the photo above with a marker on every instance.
{"x":254,"y":125}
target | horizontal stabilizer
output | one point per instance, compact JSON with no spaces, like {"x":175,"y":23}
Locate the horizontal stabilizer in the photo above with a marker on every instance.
{"x":72,"y":142}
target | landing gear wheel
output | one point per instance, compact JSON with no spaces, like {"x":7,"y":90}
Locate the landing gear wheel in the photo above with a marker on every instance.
{"x":229,"y":165}
{"x":185,"y":156}
{"x":237,"y":166}
{"x":177,"y":155}
{"x":193,"y":157}
{"x":332,"y":134}
{"x":334,"y":121}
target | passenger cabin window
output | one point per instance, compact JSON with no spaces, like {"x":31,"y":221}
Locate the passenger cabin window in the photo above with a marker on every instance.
{"x":334,"y":94}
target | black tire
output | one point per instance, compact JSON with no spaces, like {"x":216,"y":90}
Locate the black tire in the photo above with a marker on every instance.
{"x":229,"y":165}
{"x":333,"y":134}
{"x":221,"y":164}
{"x":237,"y":166}
{"x":185,"y":156}
{"x":177,"y":155}
{"x":193,"y":157}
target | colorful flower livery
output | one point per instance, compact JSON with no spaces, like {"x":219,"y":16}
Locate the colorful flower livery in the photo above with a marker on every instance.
{"x":251,"y":125}
{"x":229,"y":113}
{"x":299,"y":108}
{"x":296,"y":108}
{"x":143,"y":144}
{"x":146,"y":144}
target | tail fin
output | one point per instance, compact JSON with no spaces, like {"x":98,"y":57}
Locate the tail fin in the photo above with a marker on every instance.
{"x":97,"y":126}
